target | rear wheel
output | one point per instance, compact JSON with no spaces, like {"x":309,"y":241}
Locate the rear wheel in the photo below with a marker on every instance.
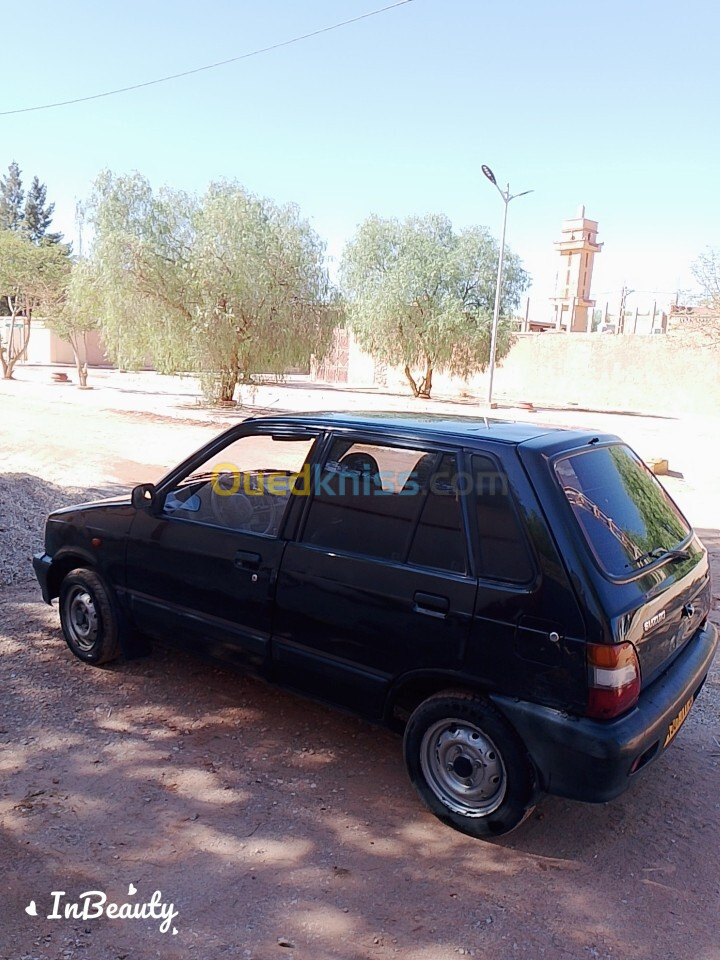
{"x":468,"y":765}
{"x":88,"y":618}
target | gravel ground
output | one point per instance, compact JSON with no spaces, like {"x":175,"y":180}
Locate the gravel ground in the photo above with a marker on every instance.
{"x":25,"y":501}
{"x":282,"y":830}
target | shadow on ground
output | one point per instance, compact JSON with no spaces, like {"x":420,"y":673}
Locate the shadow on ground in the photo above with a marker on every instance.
{"x":265,"y":817}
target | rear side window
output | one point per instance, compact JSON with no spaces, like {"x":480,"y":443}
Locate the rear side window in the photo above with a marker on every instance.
{"x":389,"y":503}
{"x":366,"y":500}
{"x":439,"y":539}
{"x":627,"y":518}
{"x":504,"y":553}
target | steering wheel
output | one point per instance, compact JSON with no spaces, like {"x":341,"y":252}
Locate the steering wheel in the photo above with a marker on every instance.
{"x":237,"y":510}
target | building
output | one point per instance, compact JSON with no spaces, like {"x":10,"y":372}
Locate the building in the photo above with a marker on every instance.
{"x":698,"y":317}
{"x":46,"y":347}
{"x":572,"y":306}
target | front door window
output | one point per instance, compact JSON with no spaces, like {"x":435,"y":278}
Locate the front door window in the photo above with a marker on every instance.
{"x":244,"y":487}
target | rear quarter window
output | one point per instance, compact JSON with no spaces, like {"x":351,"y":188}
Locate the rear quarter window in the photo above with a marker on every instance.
{"x":626,"y":516}
{"x":504,"y":553}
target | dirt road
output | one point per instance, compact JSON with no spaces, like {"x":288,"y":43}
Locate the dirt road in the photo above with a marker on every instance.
{"x":278,"y":828}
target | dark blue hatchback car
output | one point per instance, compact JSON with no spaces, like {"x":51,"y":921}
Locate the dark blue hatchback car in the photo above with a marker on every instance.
{"x":527,"y":605}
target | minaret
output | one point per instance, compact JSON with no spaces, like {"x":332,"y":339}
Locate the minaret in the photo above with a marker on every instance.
{"x":577,"y":249}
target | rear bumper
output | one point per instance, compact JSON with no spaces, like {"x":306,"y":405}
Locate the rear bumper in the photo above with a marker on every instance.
{"x":593,"y":760}
{"x":41,"y":565}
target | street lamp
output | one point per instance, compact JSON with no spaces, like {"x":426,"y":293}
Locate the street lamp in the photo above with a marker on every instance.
{"x":507,"y":197}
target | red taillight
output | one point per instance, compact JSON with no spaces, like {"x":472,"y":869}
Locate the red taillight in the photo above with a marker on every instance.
{"x":614,"y":679}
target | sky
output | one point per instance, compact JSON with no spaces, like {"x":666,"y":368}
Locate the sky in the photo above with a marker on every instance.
{"x":608,"y":104}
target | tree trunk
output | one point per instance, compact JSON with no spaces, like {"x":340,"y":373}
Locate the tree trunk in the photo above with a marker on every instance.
{"x":244,"y":374}
{"x":12,"y":355}
{"x":411,"y":380}
{"x":81,"y":371}
{"x":227,"y":381}
{"x":26,"y":338}
{"x":425,"y":388}
{"x":80,"y":361}
{"x":73,"y":341}
{"x":82,"y":365}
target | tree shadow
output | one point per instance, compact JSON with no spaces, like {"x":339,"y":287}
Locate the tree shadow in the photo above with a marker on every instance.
{"x":265,"y":817}
{"x":571,"y":407}
{"x":319,"y":386}
{"x":579,"y":408}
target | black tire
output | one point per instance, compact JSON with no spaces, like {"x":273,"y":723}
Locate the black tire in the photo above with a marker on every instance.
{"x":468,"y":765}
{"x":88,"y":618}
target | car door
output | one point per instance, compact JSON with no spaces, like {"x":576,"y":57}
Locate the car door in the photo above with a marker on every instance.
{"x":202,"y":561}
{"x":527,"y":637}
{"x":378,"y":584}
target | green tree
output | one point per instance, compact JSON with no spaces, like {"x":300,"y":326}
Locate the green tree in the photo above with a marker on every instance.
{"x":77,"y":316}
{"x":222,"y":285}
{"x":38,"y":215}
{"x":706,"y":270}
{"x":31,"y":278}
{"x":12,"y":197}
{"x":659,"y":526}
{"x":29,"y":213}
{"x":422,"y":295}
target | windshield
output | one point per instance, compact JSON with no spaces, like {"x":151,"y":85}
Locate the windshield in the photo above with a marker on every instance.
{"x":626,"y":516}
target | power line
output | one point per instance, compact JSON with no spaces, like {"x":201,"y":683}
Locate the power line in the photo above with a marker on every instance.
{"x":209,"y":66}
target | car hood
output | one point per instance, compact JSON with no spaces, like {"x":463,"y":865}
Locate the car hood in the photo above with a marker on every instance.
{"x":61,"y":512}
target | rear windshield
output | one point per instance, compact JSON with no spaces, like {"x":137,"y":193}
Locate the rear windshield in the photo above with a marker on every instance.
{"x":626,"y":516}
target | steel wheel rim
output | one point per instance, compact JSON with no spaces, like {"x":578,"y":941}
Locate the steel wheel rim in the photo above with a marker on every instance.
{"x":463,"y":767}
{"x":81,"y":619}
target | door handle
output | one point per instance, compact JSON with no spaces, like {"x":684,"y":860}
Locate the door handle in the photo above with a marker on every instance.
{"x":246,"y":560}
{"x":430,"y":604}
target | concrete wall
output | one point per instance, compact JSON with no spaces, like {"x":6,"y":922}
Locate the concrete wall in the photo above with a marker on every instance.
{"x":362,"y":369}
{"x":46,"y":347}
{"x":62,"y":351}
{"x":649,"y":374}
{"x":669,"y":374}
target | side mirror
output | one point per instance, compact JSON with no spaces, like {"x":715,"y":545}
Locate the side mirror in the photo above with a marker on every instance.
{"x":143,"y":496}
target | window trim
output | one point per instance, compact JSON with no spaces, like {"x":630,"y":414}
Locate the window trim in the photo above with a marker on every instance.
{"x":244,"y":429}
{"x":468,"y":572}
{"x":476,"y":539}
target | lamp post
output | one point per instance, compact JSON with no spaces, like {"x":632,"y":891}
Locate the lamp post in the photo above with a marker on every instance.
{"x":507,"y":197}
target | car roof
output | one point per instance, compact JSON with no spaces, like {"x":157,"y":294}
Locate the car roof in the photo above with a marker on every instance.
{"x":433,"y":426}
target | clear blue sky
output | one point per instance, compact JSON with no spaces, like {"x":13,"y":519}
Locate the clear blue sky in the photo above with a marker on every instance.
{"x":610,"y":104}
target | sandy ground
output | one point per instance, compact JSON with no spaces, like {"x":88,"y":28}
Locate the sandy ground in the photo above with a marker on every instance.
{"x":279,"y":828}
{"x":54,"y":420}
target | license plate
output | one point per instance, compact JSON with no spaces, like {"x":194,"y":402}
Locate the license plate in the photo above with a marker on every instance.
{"x":678,"y":721}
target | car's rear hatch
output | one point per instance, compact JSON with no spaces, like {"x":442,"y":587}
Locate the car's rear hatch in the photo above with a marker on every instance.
{"x":655,"y":582}
{"x":669,"y":614}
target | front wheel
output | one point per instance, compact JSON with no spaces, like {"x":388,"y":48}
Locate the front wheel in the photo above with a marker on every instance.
{"x":88,"y":618}
{"x":468,"y":765}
